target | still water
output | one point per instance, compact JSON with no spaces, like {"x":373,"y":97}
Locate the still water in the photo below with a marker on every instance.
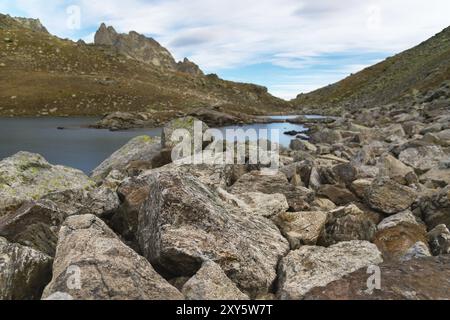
{"x":84,"y":148}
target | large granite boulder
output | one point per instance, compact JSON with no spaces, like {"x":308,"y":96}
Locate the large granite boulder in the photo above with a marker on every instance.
{"x":396,"y":170}
{"x":435,"y":208}
{"x":140,"y":149}
{"x":24,"y":272}
{"x":346,"y":224}
{"x":27,"y":176}
{"x":389,"y":197}
{"x":417,"y":279}
{"x":92,"y":263}
{"x":439,"y":240}
{"x":301,"y":228}
{"x":211,"y":283}
{"x":297,"y":197}
{"x":399,"y":233}
{"x":423,"y":158}
{"x":183,"y":223}
{"x":188,"y":125}
{"x":35,"y":224}
{"x":310,"y":267}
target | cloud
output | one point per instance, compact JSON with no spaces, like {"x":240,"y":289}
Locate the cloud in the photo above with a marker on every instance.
{"x":295,"y":36}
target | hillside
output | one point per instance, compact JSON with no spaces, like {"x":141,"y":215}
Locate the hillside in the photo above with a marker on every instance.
{"x":41,"y":74}
{"x":406,"y":76}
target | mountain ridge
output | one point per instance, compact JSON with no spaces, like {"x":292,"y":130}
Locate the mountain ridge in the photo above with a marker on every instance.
{"x":403,"y":77}
{"x":41,"y":74}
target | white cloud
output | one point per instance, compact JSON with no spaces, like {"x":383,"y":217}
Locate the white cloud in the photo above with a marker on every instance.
{"x":223,"y":34}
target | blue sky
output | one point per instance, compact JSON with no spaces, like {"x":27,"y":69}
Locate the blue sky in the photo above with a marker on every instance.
{"x":290,"y":46}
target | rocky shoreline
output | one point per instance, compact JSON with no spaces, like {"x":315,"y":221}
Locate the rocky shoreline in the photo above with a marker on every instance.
{"x":367,"y":189}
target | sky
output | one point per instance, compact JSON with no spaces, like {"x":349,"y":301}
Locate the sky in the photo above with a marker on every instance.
{"x":289,"y":46}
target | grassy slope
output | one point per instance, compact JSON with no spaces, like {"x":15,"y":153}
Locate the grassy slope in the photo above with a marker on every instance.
{"x":419,"y":69}
{"x":42,"y":74}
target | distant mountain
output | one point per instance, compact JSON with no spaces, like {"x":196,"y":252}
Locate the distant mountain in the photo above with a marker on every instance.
{"x":41,"y":74}
{"x":404,"y":77}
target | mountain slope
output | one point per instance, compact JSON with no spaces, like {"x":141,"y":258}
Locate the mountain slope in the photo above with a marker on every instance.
{"x":403,"y":76}
{"x":41,"y":74}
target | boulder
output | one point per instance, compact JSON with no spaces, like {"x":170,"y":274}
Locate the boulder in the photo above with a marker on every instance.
{"x":345,"y":173}
{"x":418,"y":250}
{"x":347,"y":224}
{"x":124,"y":120}
{"x":327,"y":136}
{"x":389,"y":196}
{"x":417,"y":279}
{"x":35,"y":224}
{"x":187,"y":124}
{"x":310,"y":267}
{"x":435,"y":208}
{"x":301,"y":228}
{"x":436,"y":177}
{"x":27,"y":176}
{"x":211,"y":283}
{"x":142,"y":148}
{"x":439,"y":240}
{"x":396,"y":170}
{"x":338,"y":194}
{"x":297,"y":197}
{"x":302,"y":145}
{"x":92,"y":263}
{"x":24,"y":272}
{"x":423,"y":158}
{"x":397,"y":234}
{"x":183,"y":223}
{"x":262,"y":204}
{"x":361,"y":186}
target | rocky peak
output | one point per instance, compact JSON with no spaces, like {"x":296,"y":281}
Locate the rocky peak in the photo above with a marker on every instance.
{"x":144,"y":49}
{"x":6,"y":21}
{"x":33,"y":24}
{"x":189,"y":67}
{"x":136,"y":46}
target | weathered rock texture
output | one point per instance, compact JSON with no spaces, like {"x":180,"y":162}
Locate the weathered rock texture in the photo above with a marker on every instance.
{"x":309,"y":267}
{"x":211,"y":283}
{"x":24,"y":272}
{"x":92,"y":263}
{"x":183,"y":224}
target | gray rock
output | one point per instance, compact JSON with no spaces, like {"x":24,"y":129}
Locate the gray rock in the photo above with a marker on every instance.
{"x":435,"y":208}
{"x":26,"y":176}
{"x":211,"y":283}
{"x":301,"y":228}
{"x":398,"y":234}
{"x":184,"y":223}
{"x":309,"y":267}
{"x":143,"y":148}
{"x":92,"y":263}
{"x":347,"y":224}
{"x":169,"y":141}
{"x":439,"y":240}
{"x":422,"y":158}
{"x":389,"y":196}
{"x":35,"y":224}
{"x":24,"y":272}
{"x":327,"y":136}
{"x":417,"y":251}
{"x":297,"y":197}
{"x":301,"y":145}
{"x":396,"y":170}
